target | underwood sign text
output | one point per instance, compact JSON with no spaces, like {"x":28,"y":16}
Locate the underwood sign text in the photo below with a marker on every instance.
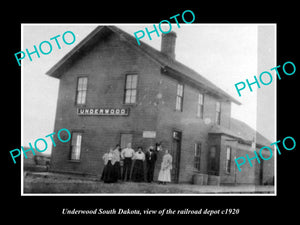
{"x":103,"y":112}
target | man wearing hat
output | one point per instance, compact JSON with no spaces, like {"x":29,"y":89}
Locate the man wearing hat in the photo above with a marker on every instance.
{"x":151,"y":157}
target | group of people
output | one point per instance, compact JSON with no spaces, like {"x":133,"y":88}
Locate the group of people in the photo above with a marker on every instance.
{"x":127,"y":164}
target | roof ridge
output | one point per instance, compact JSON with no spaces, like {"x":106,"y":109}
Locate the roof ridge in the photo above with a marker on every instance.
{"x":172,"y":62}
{"x":155,"y":54}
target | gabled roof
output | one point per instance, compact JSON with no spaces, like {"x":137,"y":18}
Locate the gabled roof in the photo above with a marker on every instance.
{"x":241,"y":131}
{"x":167,"y":63}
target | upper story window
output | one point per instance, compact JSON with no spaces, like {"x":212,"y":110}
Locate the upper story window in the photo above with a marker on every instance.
{"x":81,"y":90}
{"x":200,"y":105}
{"x":179,"y":97}
{"x":130,"y":88}
{"x":218,"y":113}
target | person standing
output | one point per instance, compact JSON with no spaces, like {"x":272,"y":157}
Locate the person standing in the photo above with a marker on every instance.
{"x":165,"y":170}
{"x":126,"y":155}
{"x":117,"y":166}
{"x":138,"y":167}
{"x":151,"y":157}
{"x":108,"y":173}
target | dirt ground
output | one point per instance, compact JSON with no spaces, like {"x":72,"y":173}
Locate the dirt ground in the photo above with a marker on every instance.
{"x":46,"y":182}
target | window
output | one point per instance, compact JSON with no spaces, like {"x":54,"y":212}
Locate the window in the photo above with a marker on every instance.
{"x":179,"y":97}
{"x":130,"y":89}
{"x":197,"y":156}
{"x":200,"y":106}
{"x":228,"y":159}
{"x":81,"y":90}
{"x":218,"y":113}
{"x":75,"y":146}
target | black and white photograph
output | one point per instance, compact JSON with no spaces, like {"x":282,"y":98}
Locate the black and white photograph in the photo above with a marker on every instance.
{"x":149,"y":115}
{"x":145,"y":109}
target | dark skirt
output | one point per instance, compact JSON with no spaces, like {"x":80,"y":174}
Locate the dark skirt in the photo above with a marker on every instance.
{"x":138,"y":171}
{"x":109,"y":174}
{"x":117,"y":168}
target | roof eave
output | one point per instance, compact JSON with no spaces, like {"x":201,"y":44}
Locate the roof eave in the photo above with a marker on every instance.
{"x":55,"y":71}
{"x":168,"y":70}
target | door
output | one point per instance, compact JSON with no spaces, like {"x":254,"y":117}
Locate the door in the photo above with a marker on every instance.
{"x":213,"y":161}
{"x":261,"y":172}
{"x":125,"y":139}
{"x":176,"y":151}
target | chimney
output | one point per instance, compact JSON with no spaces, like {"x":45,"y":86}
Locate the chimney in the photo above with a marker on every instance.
{"x":168,"y":44}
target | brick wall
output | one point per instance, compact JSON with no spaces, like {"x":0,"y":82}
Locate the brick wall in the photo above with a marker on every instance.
{"x":248,"y":174}
{"x":105,"y":65}
{"x":193,"y":128}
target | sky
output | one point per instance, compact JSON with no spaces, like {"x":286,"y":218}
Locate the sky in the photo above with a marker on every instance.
{"x":224,"y":54}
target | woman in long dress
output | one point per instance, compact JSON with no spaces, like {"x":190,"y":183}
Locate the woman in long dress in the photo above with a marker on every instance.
{"x":164,"y":175}
{"x":109,"y":172}
{"x":138,"y":167}
{"x":117,"y":165}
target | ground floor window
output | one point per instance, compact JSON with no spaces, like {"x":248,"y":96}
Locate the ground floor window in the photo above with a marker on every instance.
{"x":197,"y":156}
{"x":75,"y":146}
{"x":228,"y":159}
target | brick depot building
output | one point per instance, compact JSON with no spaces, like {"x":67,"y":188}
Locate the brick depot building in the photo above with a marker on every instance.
{"x":113,"y":90}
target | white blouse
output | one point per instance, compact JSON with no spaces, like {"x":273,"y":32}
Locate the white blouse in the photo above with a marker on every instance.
{"x":139,"y":156}
{"x":109,"y":156}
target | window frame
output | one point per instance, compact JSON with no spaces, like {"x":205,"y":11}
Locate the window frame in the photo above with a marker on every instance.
{"x":228,"y":160}
{"x":77,"y":153}
{"x":78,"y":92}
{"x":200,"y":106}
{"x":179,"y":97}
{"x":130,"y":89}
{"x":197,"y":156}
{"x":218,"y":113}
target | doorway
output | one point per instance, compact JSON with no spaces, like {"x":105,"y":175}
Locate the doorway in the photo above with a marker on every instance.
{"x":125,"y":139}
{"x":261,"y":172}
{"x":176,"y":152}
